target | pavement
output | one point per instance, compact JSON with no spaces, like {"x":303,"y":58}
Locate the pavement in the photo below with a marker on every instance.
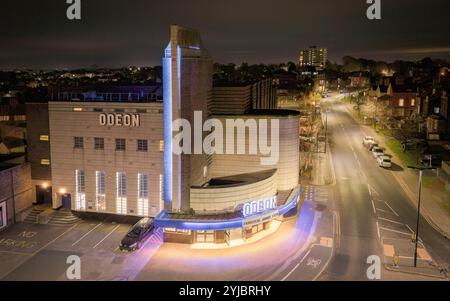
{"x":374,"y":211}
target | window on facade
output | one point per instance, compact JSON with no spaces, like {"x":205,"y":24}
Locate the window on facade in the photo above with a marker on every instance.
{"x":100,"y":201}
{"x":436,"y":110}
{"x":120,"y":144}
{"x":121,"y":197}
{"x":161,"y":145}
{"x":142,"y":194}
{"x":80,"y":192}
{"x":401,"y":102}
{"x":45,"y":162}
{"x":142,"y":145}
{"x":43,"y":137}
{"x":413,"y":102}
{"x":78,"y":142}
{"x":99,"y":143}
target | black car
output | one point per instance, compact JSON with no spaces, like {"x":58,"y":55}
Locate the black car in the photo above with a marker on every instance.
{"x":137,"y":234}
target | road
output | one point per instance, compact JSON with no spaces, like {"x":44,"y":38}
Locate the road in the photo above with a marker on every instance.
{"x":373,"y":208}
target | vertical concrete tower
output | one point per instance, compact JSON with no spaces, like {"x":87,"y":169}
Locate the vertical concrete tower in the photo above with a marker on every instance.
{"x":187,"y":82}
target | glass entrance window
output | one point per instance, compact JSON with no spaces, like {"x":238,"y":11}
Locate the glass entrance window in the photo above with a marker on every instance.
{"x":205,"y":236}
{"x":80,"y":203}
{"x":100,"y":199}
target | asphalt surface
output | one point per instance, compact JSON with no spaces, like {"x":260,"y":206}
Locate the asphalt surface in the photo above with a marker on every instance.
{"x":358,"y":176}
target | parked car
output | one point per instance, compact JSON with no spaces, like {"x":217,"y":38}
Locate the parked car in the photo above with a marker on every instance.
{"x":368,"y":140}
{"x":377,"y":151}
{"x":136,"y":235}
{"x":372,"y":145}
{"x":384,"y":161}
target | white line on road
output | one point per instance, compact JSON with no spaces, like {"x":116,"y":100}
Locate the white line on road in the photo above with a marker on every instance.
{"x":373,"y":207}
{"x":86,"y":234}
{"x":395,"y":231}
{"x":391,"y":208}
{"x":389,"y":220}
{"x":115,"y":228}
{"x":297,"y":265}
{"x":378,"y":231}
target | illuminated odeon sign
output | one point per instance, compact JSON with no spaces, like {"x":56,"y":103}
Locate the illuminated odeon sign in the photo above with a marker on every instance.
{"x":119,"y":119}
{"x":257,"y":206}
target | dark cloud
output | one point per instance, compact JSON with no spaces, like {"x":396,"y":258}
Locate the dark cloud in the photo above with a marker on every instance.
{"x":120,"y":32}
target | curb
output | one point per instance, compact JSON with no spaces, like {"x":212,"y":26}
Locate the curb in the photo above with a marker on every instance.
{"x":387,"y":267}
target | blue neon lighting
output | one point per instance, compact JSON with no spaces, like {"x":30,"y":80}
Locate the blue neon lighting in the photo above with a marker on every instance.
{"x":167,"y":115}
{"x":162,"y":219}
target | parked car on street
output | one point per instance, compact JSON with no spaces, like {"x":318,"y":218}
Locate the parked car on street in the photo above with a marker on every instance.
{"x":368,"y":140}
{"x":137,"y":234}
{"x":384,"y":161}
{"x":377,"y":151}
{"x":372,"y":145}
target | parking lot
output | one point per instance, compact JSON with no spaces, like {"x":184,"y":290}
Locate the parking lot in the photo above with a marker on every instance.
{"x":39,"y":252}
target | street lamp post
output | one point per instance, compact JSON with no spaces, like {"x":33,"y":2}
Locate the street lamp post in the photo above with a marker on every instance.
{"x":421,"y":169}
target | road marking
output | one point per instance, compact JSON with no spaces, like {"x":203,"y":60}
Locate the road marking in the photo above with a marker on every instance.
{"x":373,"y":207}
{"x":296,"y":266}
{"x":370,"y":190}
{"x":43,"y":247}
{"x":391,"y":209}
{"x":16,"y":253}
{"x":86,"y":234}
{"x":382,"y":210}
{"x":395,"y":231}
{"x":378,"y":231}
{"x":389,"y":220}
{"x":424,"y":254}
{"x":409,"y":228}
{"x":115,"y":228}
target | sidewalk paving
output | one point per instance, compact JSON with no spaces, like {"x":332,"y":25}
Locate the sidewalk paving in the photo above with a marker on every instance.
{"x":434,"y":197}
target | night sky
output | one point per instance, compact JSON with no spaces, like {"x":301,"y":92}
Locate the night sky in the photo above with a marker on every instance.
{"x":116,"y":33}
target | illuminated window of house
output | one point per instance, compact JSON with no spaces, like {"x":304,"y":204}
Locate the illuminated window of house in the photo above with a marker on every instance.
{"x":77,"y":109}
{"x":413,"y":102}
{"x":401,"y":102}
{"x":161,"y":145}
{"x":45,"y":161}
{"x":43,"y":137}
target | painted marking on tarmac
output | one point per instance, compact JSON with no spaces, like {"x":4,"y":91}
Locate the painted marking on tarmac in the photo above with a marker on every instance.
{"x":86,"y":234}
{"x":373,"y":207}
{"x":389,"y":220}
{"x":296,"y":266}
{"x":391,"y":209}
{"x":115,"y":228}
{"x":378,"y":231}
{"x":395,"y":231}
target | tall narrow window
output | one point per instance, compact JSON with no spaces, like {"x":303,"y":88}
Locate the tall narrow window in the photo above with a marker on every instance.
{"x":100,"y":201}
{"x":142,"y":194}
{"x":80,"y":193}
{"x":401,"y":102}
{"x":121,"y":199}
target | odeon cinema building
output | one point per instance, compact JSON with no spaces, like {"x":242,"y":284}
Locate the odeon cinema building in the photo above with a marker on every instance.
{"x":112,"y":152}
